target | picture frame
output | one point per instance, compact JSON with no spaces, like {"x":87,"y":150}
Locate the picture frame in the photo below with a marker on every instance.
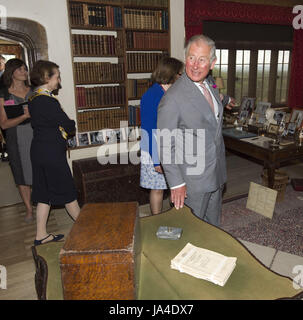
{"x":246,"y":108}
{"x":83,"y":139}
{"x":273,"y":128}
{"x":291,"y":128}
{"x":72,"y":142}
{"x":278,"y":117}
{"x":96,"y":138}
{"x":262,"y":107}
{"x":297,"y":118}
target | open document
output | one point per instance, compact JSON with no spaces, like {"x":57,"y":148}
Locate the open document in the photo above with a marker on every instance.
{"x":204,"y":264}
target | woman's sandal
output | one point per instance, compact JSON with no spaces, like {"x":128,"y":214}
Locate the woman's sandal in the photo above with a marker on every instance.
{"x":55,"y":238}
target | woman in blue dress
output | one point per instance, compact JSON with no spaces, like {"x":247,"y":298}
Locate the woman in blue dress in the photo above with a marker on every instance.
{"x":151,"y":177}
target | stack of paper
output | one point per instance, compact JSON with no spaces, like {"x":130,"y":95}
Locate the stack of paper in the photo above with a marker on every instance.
{"x":204,"y":264}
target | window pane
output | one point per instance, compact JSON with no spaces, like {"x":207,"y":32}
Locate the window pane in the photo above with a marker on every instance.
{"x":239,"y":71}
{"x":224,"y":71}
{"x":267,"y":56}
{"x":260,"y":56}
{"x":266,"y":70}
{"x":286,"y":57}
{"x":246,"y":57}
{"x":280,"y":57}
{"x":239,"y":56}
{"x":224,"y":56}
{"x":216,"y":71}
{"x":218,"y":55}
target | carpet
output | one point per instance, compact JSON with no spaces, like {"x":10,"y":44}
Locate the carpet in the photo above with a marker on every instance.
{"x":283,"y":232}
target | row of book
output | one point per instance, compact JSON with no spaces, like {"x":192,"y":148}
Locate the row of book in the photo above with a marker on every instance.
{"x":99,"y":119}
{"x":99,"y":97}
{"x":97,"y":16}
{"x":147,"y":40}
{"x":143,"y":62}
{"x":134,"y":116}
{"x":137,"y":87}
{"x":98,"y":72}
{"x":98,"y":45}
{"x":146,"y":19}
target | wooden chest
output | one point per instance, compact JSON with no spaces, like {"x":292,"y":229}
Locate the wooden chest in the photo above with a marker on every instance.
{"x":98,"y":259}
{"x":108,"y":183}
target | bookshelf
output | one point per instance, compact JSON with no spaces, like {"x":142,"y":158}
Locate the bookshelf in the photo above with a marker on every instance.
{"x":115,"y":47}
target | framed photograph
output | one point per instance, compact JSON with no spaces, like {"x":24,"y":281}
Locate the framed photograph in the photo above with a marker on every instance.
{"x":83,"y":139}
{"x":96,"y":137}
{"x":291,"y":128}
{"x":72,"y":142}
{"x":262,"y":107}
{"x":297,"y":117}
{"x":247,"y":107}
{"x":278,"y":117}
{"x":273,"y":128}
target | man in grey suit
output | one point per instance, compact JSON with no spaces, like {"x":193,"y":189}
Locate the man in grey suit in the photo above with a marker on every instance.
{"x":190,"y":140}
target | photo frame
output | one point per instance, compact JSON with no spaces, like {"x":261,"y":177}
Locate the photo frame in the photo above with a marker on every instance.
{"x":96,"y":138}
{"x":72,"y":142}
{"x":278,"y":117}
{"x":273,"y":128}
{"x":83,"y":139}
{"x":247,"y":107}
{"x":291,"y":128}
{"x":262,"y":107}
{"x":297,"y":118}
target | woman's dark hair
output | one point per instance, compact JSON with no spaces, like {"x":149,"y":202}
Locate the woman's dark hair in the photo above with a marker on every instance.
{"x":42,"y":70}
{"x":10,"y":67}
{"x":167,"y":70}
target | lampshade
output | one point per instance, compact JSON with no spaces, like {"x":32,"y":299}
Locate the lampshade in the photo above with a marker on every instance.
{"x":219,"y":82}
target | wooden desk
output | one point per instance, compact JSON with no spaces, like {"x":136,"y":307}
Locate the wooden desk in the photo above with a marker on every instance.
{"x":271,"y":158}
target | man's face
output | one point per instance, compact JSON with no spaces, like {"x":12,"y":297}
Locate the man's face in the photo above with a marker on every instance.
{"x":197,"y":64}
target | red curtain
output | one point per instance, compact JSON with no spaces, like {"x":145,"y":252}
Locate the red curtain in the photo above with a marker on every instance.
{"x":197,"y":11}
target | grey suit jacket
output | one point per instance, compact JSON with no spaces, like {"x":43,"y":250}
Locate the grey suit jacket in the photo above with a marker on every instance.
{"x":196,"y":153}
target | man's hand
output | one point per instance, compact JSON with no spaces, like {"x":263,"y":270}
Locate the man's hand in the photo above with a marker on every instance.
{"x":177,"y":196}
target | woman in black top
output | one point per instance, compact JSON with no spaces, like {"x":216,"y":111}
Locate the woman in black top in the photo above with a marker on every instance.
{"x":52,"y":179}
{"x":15,"y":90}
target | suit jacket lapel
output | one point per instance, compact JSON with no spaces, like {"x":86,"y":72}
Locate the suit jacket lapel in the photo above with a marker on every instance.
{"x":197,"y":99}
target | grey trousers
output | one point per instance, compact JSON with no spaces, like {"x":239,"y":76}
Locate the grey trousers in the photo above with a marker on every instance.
{"x":211,"y":207}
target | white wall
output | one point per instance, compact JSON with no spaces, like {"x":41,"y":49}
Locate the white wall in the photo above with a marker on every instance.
{"x":53,"y":16}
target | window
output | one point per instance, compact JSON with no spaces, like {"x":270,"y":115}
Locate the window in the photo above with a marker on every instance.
{"x":263,"y":68}
{"x":263,"y":74}
{"x":221,"y":68}
{"x":282,"y":76}
{"x":242,"y":74}
{"x":259,"y":58}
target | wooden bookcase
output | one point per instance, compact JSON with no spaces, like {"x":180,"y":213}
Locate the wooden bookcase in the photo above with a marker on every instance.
{"x":115,"y":47}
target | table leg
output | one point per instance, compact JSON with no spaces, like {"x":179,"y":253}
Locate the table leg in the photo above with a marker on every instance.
{"x":271,"y":177}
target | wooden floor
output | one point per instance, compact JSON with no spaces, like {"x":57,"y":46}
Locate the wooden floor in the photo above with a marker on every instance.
{"x":16,"y":236}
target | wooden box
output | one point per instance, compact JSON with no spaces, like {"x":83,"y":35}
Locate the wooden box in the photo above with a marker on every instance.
{"x":98,"y":259}
{"x":109,"y":182}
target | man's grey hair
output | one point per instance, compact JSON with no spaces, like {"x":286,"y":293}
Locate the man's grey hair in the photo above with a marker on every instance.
{"x":205,"y":39}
